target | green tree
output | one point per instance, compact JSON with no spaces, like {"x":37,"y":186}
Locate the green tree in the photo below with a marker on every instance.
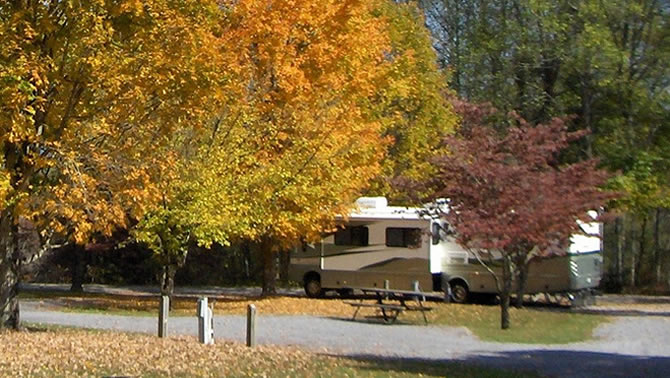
{"x":602,"y":63}
{"x":599,"y":61}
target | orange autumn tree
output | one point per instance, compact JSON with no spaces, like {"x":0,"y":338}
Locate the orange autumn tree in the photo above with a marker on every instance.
{"x":89,"y":92}
{"x":313,"y":67}
{"x":338,"y":84}
{"x":293,"y":147}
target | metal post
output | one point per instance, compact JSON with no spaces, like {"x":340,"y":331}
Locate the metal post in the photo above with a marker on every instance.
{"x":163,"y":313}
{"x":251,"y":326}
{"x":386,"y":284}
{"x":415,"y":286}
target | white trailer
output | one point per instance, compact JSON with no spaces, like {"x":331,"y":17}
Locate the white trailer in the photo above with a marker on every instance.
{"x":404,"y":246}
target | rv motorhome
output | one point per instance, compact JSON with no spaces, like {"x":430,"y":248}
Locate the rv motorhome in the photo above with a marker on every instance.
{"x":403,"y":246}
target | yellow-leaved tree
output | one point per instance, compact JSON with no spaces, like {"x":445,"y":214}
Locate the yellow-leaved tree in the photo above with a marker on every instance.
{"x":90,"y":92}
{"x":295,"y":144}
{"x":412,"y":102}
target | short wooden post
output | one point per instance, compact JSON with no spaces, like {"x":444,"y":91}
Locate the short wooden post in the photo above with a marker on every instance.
{"x":251,"y":326}
{"x":163,"y":314}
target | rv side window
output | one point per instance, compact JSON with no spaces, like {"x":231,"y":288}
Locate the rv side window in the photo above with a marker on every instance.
{"x":352,"y":236}
{"x":403,"y":237}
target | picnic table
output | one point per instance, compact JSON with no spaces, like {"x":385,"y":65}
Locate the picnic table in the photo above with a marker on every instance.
{"x":391,"y":302}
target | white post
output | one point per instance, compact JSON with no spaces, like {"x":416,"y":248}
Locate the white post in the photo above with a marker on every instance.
{"x":205,"y":331}
{"x":163,"y":313}
{"x":211,"y":322}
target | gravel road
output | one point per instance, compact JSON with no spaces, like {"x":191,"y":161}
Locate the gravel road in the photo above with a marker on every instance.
{"x":630,"y":346}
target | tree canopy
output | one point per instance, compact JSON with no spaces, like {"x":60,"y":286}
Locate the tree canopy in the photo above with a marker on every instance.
{"x":292,"y":144}
{"x":90,"y":90}
{"x":411,"y":100}
{"x":508,"y":193}
{"x":601,"y":63}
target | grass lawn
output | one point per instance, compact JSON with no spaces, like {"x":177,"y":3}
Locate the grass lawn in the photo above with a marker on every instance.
{"x":529,"y":325}
{"x":58,"y":351}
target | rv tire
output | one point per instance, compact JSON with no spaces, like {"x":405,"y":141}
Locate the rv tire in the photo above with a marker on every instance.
{"x":459,"y":291}
{"x":313,"y":287}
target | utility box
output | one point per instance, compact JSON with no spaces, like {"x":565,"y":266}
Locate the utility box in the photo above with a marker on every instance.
{"x":205,"y":322}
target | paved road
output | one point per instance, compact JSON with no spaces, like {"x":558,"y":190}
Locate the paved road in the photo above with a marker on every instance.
{"x":628,"y":347}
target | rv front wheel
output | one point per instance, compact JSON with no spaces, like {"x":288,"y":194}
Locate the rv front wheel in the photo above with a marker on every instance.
{"x":459,"y":292}
{"x":313,"y":287}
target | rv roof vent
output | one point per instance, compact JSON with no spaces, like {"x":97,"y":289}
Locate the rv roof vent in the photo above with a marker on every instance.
{"x":372,"y":202}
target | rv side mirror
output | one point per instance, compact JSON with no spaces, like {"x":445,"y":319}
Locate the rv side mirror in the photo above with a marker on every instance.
{"x":435,"y":232}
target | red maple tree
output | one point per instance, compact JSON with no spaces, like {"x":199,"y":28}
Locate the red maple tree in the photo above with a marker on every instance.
{"x":508,"y":192}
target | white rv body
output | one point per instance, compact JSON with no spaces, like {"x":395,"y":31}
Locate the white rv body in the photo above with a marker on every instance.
{"x":400,"y":247}
{"x":377,"y":243}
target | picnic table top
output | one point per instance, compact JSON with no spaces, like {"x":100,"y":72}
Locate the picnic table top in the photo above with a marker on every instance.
{"x":380,"y":305}
{"x":399,"y":292}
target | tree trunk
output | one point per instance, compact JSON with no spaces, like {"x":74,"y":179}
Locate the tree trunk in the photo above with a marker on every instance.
{"x":9,"y":271}
{"x":167,"y":280}
{"x":284,"y":263}
{"x":522,"y":279}
{"x":586,"y":99}
{"x":505,"y":292}
{"x":246,"y":254}
{"x":78,"y":268}
{"x":633,"y":272}
{"x":641,"y":251}
{"x":633,"y":252}
{"x":657,"y":246}
{"x":620,"y":239}
{"x":269,"y":267}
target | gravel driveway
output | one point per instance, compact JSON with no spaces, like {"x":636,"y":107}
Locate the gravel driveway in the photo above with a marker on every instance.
{"x":627,"y":347}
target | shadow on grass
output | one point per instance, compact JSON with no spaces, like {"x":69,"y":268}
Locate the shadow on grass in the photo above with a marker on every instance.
{"x":372,"y":319}
{"x":620,"y":312}
{"x":554,"y":363}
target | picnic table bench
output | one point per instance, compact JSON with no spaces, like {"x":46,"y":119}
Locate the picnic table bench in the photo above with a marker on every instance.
{"x":409,"y":300}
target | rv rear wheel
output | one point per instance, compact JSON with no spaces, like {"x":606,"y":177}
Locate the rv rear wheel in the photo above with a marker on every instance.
{"x":459,"y":292}
{"x":313,"y":287}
